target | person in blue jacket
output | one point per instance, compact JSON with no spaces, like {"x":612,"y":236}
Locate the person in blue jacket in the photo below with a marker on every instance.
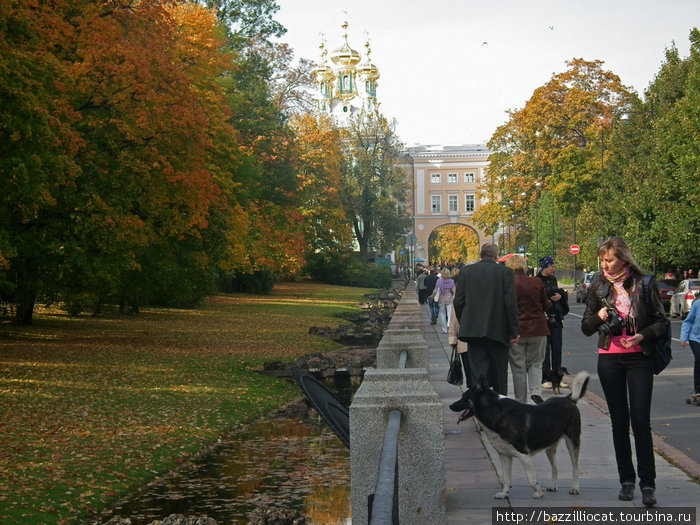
{"x":690,"y":333}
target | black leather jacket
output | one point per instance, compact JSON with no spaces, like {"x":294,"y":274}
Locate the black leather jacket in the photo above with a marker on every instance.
{"x":600,"y":294}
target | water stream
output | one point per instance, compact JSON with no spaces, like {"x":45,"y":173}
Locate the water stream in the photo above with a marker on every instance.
{"x":288,"y":460}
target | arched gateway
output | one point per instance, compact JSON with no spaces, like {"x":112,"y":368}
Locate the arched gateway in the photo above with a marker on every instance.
{"x":443,"y":187}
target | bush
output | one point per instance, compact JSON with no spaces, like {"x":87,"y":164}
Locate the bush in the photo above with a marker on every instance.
{"x":347,"y":269}
{"x":260,"y":282}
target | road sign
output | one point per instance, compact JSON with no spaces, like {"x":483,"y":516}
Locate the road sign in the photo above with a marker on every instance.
{"x":575,"y":248}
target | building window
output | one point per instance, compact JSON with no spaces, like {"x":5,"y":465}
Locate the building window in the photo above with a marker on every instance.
{"x":435,"y":178}
{"x":469,"y":178}
{"x":452,"y":178}
{"x":435,"y":203}
{"x":452,"y":203}
{"x":469,"y":203}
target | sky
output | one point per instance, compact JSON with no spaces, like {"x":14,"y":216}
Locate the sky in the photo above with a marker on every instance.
{"x":451,"y":70}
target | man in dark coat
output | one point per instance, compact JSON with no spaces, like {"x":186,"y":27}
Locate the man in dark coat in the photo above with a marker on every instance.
{"x":430,"y":281}
{"x":487,"y":308}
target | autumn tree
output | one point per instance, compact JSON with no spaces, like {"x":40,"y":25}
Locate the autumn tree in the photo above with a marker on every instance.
{"x":454,"y":243}
{"x":373,"y":186}
{"x":318,"y":171}
{"x":557,"y":139}
{"x":126,"y":206}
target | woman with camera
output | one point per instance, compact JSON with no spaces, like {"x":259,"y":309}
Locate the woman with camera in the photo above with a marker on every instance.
{"x":616,"y":309}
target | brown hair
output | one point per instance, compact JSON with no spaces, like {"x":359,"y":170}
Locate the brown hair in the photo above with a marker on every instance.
{"x":619,"y":247}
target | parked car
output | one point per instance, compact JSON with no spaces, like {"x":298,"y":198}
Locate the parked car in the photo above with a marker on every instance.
{"x":684,"y":297}
{"x":582,"y":287}
{"x":667,"y":287}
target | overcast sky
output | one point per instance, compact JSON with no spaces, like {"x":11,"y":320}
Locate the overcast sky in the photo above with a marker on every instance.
{"x":451,"y":69}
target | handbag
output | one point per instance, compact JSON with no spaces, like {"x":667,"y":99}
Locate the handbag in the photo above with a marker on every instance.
{"x":436,"y":295}
{"x":662,"y":345}
{"x":454,"y":375}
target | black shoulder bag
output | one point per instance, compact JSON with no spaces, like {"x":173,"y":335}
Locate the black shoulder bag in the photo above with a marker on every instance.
{"x":662,"y":345}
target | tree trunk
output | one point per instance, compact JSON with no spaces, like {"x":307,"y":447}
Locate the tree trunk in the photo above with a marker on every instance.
{"x":26,"y":297}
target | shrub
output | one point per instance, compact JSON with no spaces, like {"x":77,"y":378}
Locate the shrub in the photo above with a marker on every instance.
{"x":347,"y":269}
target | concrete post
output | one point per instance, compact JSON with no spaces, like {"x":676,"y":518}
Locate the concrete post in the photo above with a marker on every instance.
{"x":421,"y":446}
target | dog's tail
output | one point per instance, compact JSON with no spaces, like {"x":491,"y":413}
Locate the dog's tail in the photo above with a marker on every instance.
{"x":578,"y":389}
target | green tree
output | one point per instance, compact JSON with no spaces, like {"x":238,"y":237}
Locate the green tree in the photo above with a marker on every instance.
{"x":655,"y":165}
{"x":373,"y":186}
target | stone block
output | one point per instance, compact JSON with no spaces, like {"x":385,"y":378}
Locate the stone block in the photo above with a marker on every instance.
{"x":421,"y":444}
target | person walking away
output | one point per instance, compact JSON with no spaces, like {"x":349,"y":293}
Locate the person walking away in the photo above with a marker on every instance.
{"x":690,"y":334}
{"x":430,"y":282}
{"x":460,"y":346}
{"x":616,"y":309}
{"x":446,"y":286}
{"x":420,"y":286}
{"x":526,"y":356}
{"x":559,"y":300}
{"x":486,"y":307}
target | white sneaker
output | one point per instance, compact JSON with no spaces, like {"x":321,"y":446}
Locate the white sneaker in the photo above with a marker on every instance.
{"x":564,"y":385}
{"x":547,"y":384}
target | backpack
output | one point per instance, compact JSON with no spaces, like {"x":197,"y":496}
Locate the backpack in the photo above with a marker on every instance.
{"x":662,"y":345}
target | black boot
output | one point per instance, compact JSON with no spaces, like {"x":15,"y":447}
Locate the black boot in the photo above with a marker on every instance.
{"x":626,"y":492}
{"x":648,"y":497}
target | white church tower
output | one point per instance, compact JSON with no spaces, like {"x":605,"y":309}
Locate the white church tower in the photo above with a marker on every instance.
{"x":348,"y":85}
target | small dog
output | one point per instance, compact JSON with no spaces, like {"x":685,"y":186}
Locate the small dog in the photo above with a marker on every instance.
{"x":520,"y":431}
{"x":555,"y":377}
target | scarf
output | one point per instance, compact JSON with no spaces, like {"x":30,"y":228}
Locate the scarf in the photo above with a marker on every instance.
{"x":622,"y":298}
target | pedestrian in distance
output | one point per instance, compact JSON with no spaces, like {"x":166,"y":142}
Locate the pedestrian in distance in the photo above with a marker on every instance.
{"x":487,"y":309}
{"x":420,"y":286}
{"x":559,"y":300}
{"x":526,"y":356}
{"x":446,"y":286}
{"x":617,"y":310}
{"x":430,"y":282}
{"x":690,"y":335}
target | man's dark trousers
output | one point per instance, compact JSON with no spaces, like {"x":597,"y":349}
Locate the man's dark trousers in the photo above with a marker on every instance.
{"x":489,"y":359}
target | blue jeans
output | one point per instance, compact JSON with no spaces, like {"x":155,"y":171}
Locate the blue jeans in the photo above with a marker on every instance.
{"x":622,"y":375}
{"x":433,"y":308}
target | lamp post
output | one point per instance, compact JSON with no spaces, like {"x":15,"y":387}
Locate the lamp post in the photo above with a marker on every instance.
{"x":538,"y":185}
{"x":515,"y":224}
{"x":522,"y":223}
{"x":552,"y":225}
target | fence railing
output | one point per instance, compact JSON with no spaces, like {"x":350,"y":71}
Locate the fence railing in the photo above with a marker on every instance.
{"x":397,"y":449}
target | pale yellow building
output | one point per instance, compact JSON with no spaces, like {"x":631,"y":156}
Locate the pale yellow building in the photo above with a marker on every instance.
{"x":444,"y":184}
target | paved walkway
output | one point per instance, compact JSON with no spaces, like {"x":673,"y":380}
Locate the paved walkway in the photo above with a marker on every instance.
{"x":473,"y":467}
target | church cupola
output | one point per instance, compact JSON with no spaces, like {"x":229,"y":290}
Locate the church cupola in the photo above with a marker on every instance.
{"x":347,"y":85}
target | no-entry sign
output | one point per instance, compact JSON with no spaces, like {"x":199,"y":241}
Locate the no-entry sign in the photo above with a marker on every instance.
{"x":575,"y":248}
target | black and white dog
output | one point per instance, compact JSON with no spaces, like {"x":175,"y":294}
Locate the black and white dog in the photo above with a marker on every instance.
{"x":520,"y":431}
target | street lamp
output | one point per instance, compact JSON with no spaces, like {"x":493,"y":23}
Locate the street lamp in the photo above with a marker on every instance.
{"x":538,"y":185}
{"x":522,"y":223}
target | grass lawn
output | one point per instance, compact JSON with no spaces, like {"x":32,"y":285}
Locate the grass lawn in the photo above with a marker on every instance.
{"x":93,"y":407}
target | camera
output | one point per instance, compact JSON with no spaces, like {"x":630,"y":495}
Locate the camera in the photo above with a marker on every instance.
{"x":614,"y":324}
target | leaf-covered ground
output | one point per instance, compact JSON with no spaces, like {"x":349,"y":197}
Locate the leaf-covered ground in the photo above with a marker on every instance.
{"x":93,"y":407}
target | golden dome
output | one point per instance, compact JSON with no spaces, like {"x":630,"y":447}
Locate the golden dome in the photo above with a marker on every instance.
{"x":345,"y":55}
{"x":323,"y":71}
{"x":366,"y":68}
